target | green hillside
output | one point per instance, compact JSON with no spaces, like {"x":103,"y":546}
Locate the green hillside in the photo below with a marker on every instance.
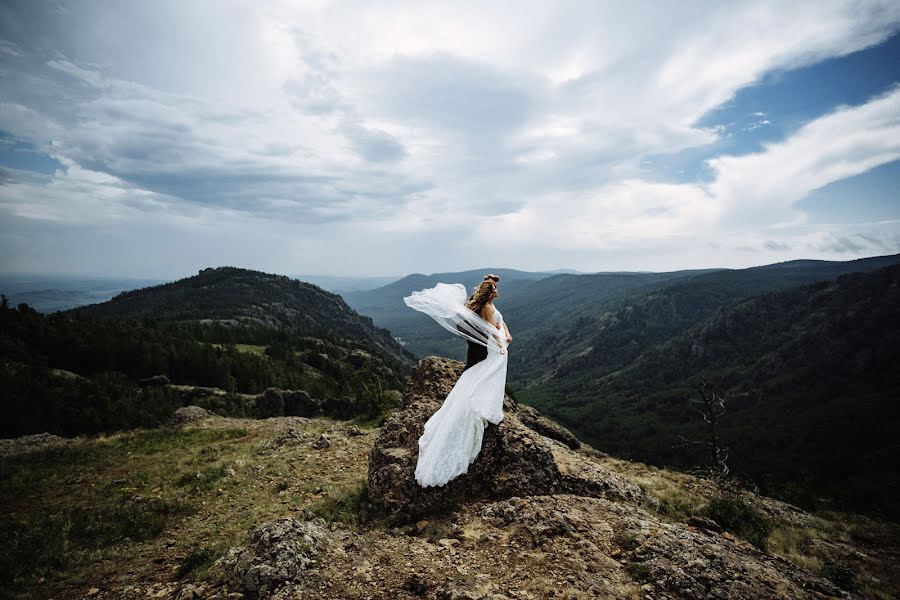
{"x":811,"y":373}
{"x":231,"y":295}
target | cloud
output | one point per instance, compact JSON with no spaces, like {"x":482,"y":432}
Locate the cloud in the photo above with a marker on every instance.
{"x":747,"y":195}
{"x":385,"y":123}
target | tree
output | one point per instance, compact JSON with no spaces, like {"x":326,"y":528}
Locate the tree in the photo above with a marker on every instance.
{"x":711,"y":408}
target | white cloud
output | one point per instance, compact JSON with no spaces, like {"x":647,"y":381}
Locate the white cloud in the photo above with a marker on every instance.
{"x":748,"y":195}
{"x":385,"y":123}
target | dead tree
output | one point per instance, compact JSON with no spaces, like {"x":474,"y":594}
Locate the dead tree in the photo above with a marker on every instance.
{"x":711,"y":407}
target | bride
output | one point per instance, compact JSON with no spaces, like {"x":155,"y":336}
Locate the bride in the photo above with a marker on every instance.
{"x":452,"y":437}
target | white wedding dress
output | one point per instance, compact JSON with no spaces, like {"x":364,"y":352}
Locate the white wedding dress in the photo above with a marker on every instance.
{"x":452,"y":437}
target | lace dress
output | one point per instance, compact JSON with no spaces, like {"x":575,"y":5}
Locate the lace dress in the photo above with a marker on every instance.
{"x":452,"y":437}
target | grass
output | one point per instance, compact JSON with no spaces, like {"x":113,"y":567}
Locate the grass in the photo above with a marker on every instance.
{"x":67,"y":510}
{"x":198,"y":559}
{"x":345,"y":505}
{"x":248,"y":348}
{"x":674,"y":496}
{"x":821,"y":547}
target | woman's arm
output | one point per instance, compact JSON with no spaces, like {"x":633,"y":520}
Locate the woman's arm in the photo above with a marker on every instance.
{"x":508,"y":336}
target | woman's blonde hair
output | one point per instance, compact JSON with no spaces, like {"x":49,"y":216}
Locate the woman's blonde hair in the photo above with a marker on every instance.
{"x":483,"y":293}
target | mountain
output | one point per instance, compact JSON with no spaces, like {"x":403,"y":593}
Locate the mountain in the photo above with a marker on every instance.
{"x":232,"y":295}
{"x":600,"y":323}
{"x":810,"y":372}
{"x":344,"y":284}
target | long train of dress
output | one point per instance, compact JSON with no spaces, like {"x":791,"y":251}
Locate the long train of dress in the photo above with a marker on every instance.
{"x":452,"y":437}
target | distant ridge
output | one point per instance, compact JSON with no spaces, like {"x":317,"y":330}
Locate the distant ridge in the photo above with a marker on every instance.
{"x":237,"y":295}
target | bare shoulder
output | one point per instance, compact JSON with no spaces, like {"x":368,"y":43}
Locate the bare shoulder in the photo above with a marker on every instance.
{"x":487,"y":311}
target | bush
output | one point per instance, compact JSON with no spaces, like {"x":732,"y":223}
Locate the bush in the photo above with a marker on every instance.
{"x":841,"y":572}
{"x":735,"y":515}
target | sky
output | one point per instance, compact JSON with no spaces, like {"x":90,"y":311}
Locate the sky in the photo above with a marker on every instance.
{"x":157,"y":138}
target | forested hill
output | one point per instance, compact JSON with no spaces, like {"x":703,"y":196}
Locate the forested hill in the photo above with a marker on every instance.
{"x":601,"y":323}
{"x":811,"y":374}
{"x":244,"y":296}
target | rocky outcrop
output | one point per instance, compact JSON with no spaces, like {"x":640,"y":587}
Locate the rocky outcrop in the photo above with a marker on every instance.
{"x":155,"y":381}
{"x":533,"y":419}
{"x":515,"y":460}
{"x":671,"y":560}
{"x":190,"y":414}
{"x":280,"y":553}
{"x":275,"y":402}
{"x":29,"y":443}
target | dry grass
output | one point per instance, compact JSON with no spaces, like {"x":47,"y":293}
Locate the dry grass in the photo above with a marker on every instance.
{"x":160,"y":505}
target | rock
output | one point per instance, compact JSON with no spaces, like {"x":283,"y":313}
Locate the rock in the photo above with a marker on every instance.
{"x":280,"y":552}
{"x":675,"y":559}
{"x":354,"y":430}
{"x":300,"y":404}
{"x":190,"y":414}
{"x":532,"y":419}
{"x":190,"y":394}
{"x":416,"y":585}
{"x":703,"y":523}
{"x":156,"y":380}
{"x":323,"y":442}
{"x":270,"y":403}
{"x":477,"y":587}
{"x":28,"y":443}
{"x":189,"y":592}
{"x":514,"y":459}
{"x":358,"y":358}
{"x":289,"y":437}
{"x":343,"y":407}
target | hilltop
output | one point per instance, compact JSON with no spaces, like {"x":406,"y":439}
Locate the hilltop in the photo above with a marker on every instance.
{"x":232,"y":295}
{"x":319,"y":508}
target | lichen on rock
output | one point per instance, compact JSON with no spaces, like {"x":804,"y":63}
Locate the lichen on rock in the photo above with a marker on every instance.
{"x":280,"y":552}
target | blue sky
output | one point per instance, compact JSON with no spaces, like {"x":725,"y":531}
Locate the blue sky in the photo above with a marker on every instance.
{"x":154,"y":139}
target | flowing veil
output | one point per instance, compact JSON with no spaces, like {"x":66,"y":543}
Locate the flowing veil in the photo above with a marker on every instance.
{"x":446,"y":304}
{"x":452,"y":437}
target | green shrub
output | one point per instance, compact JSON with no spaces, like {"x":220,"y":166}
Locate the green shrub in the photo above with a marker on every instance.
{"x":841,"y":571}
{"x":735,"y":515}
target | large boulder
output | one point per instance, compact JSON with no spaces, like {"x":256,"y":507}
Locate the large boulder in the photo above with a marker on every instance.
{"x":300,"y":404}
{"x":270,"y":403}
{"x":190,"y":414}
{"x":515,"y":460}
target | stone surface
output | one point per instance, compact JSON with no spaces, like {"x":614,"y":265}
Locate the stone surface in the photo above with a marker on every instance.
{"x":323,"y":442}
{"x":29,"y":443}
{"x":671,"y":558}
